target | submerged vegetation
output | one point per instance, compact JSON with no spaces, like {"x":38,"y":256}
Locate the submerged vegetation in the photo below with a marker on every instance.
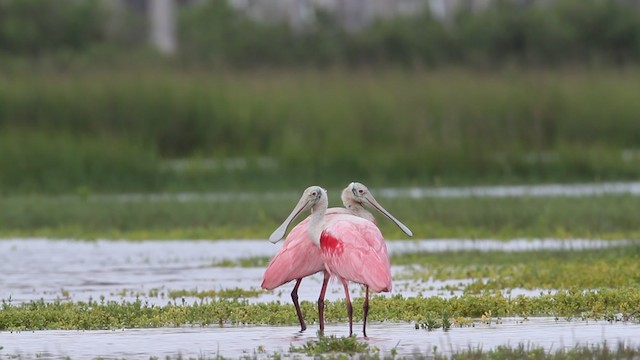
{"x":334,"y":345}
{"x":235,"y":293}
{"x":526,"y":351}
{"x":343,"y":348}
{"x":232,"y":293}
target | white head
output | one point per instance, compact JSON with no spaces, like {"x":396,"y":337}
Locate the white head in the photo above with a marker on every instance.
{"x":356,"y":194}
{"x":314,"y":198}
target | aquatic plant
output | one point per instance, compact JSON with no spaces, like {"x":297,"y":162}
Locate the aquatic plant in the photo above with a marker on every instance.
{"x":334,"y":345}
{"x":434,"y":321}
{"x":256,"y":261}
{"x":500,"y":271}
{"x":235,"y":293}
{"x":515,"y":351}
{"x":527,"y":351}
{"x":588,"y":304}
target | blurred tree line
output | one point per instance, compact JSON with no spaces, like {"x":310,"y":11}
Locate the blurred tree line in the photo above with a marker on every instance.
{"x":213,"y":32}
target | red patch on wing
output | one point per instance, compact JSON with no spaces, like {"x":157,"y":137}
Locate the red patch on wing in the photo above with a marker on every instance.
{"x":330,"y":244}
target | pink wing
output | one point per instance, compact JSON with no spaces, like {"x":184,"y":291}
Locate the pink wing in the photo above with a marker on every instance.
{"x":354,"y":249}
{"x":298,"y":257}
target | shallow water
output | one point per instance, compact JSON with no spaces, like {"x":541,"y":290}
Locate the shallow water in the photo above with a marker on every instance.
{"x":78,"y":270}
{"x":234,"y":342}
{"x":631,"y":188}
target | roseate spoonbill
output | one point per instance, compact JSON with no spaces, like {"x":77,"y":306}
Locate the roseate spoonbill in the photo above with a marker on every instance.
{"x":352,"y":248}
{"x":299,"y":257}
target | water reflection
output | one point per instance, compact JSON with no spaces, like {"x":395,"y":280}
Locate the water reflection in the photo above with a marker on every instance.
{"x":234,"y":342}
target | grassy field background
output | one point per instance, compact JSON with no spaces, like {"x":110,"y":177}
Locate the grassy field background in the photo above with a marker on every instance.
{"x":68,"y":138}
{"x":257,"y":215}
{"x":166,"y":129}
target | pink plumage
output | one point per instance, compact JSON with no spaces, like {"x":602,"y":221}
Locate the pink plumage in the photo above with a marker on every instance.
{"x":341,"y":242}
{"x":298,"y":257}
{"x":353,"y":249}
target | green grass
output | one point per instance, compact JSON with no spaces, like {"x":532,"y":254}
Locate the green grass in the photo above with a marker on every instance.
{"x":333,"y":346}
{"x":526,"y":351}
{"x":83,"y":216}
{"x":236,"y":293}
{"x":118,"y":130}
{"x":546,"y":269}
{"x":233,"y":293}
{"x":35,"y":315}
{"x":500,"y":272}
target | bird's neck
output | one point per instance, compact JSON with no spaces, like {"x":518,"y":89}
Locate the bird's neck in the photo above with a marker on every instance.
{"x":358,"y":210}
{"x":316,"y":223}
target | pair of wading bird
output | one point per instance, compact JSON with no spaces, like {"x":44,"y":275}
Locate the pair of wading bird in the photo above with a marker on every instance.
{"x":340,"y":242}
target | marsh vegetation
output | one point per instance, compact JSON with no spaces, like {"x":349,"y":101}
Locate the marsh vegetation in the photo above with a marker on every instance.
{"x":157,"y":130}
{"x":255,"y":214}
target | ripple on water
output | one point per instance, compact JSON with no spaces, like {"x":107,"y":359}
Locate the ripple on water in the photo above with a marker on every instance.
{"x":234,"y":342}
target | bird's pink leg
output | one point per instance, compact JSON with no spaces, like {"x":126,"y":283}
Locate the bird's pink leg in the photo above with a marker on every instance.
{"x":365,"y":311}
{"x":321,"y":301}
{"x":294,"y":297}
{"x":345,"y":284}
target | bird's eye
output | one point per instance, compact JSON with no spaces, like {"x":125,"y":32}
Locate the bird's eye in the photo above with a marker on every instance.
{"x":314,"y":193}
{"x":361,"y":191}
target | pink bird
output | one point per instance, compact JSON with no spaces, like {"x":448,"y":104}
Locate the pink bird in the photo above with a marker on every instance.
{"x":299,"y":257}
{"x":351,"y":248}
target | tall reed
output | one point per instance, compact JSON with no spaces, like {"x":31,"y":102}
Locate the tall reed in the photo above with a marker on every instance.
{"x":387,"y":126}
